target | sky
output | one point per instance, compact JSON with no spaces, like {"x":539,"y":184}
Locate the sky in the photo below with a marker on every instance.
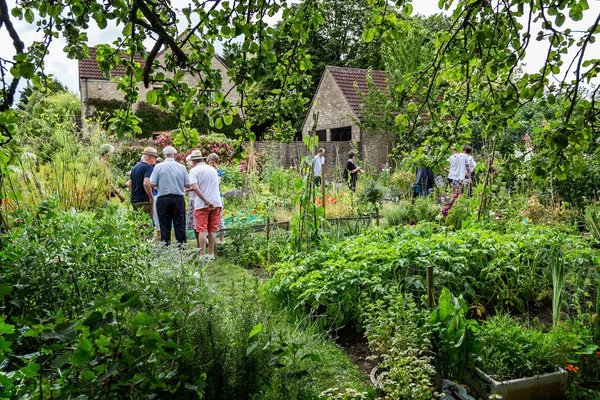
{"x":65,"y":70}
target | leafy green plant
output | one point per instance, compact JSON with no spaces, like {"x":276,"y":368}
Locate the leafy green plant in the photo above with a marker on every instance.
{"x":453,"y":335}
{"x":510,"y":350}
{"x":372,"y":195}
{"x":399,"y":214}
{"x":108,"y":352}
{"x":398,"y":334}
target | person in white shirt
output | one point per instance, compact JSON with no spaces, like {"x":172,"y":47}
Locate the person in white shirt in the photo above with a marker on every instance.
{"x":318,"y":163}
{"x":472,"y":164}
{"x":459,"y":168}
{"x":207,"y":203}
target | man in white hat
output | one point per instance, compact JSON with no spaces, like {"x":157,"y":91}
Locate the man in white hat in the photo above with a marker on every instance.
{"x":141,"y":191}
{"x":207,"y":203}
{"x":172,"y":179}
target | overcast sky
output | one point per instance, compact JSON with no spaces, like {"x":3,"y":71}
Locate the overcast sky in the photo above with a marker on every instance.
{"x":65,"y":70}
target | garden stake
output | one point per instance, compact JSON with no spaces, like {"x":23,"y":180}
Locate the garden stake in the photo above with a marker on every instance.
{"x":429,"y":272}
{"x":268,"y":226}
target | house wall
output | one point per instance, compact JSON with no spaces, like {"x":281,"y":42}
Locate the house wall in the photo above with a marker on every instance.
{"x":334,"y":111}
{"x":107,"y":90}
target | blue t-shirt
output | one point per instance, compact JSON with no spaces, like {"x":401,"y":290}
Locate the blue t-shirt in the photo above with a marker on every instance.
{"x":220,"y":173}
{"x":138,"y":173}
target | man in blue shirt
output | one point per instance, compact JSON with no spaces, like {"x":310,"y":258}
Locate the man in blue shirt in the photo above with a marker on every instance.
{"x":141,"y":191}
{"x":172,"y":179}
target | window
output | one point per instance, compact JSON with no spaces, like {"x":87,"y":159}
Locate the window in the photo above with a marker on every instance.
{"x":341,"y":134}
{"x":322,"y":135}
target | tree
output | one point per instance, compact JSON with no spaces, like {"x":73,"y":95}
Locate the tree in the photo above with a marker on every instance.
{"x":240,"y":24}
{"x":474,"y":74}
{"x":52,"y":86}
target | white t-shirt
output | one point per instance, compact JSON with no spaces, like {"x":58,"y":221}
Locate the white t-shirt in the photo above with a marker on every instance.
{"x":472,"y":163}
{"x":318,"y":161}
{"x":207,"y":179}
{"x":458,"y":166}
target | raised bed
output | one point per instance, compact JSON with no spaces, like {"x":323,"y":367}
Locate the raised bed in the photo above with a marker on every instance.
{"x":549,"y":386}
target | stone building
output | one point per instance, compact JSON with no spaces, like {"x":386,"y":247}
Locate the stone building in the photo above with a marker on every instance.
{"x":94,"y":85}
{"x":339,"y":107}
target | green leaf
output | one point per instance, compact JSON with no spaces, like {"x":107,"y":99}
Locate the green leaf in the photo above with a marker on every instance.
{"x":255,"y":330}
{"x":576,"y":12}
{"x":4,"y":345}
{"x":59,"y":361}
{"x":368,"y":35}
{"x":228,"y":119}
{"x":31,"y":369}
{"x":29,"y":15}
{"x":144,"y":319}
{"x":64,"y":332}
{"x":93,"y":321}
{"x":151,"y":97}
{"x":219,"y":123}
{"x":560,"y":19}
{"x":83,"y":354}
{"x":5,"y":289}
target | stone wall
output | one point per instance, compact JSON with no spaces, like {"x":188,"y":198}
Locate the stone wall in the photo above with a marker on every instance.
{"x":289,"y":155}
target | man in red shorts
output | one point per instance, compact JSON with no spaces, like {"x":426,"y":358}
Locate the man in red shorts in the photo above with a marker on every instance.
{"x":207,"y":204}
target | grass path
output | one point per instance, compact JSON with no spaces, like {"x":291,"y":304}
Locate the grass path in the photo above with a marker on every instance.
{"x":334,"y":370}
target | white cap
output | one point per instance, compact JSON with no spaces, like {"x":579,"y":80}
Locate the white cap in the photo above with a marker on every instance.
{"x":169,"y":151}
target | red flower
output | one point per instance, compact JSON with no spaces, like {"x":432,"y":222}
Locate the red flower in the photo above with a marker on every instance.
{"x":572,"y":368}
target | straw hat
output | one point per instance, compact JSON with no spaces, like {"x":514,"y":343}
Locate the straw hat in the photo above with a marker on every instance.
{"x":150,"y":151}
{"x":196,"y":155}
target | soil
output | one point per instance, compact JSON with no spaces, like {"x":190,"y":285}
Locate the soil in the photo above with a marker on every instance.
{"x":355,"y":345}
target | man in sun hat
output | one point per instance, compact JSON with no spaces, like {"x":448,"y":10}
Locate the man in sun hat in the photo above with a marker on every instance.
{"x":172,"y":179}
{"x":141,"y":191}
{"x":207,"y":203}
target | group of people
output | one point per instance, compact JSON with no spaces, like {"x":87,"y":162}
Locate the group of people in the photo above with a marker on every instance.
{"x":461,"y":172}
{"x":350,"y":173}
{"x":159,"y":190}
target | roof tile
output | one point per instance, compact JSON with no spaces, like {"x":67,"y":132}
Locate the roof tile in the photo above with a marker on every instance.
{"x":88,"y":67}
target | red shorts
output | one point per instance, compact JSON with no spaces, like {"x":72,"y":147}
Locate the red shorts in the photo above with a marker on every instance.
{"x":207,"y":220}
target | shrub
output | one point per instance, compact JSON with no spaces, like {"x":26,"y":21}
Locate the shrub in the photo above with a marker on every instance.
{"x":399,"y":214}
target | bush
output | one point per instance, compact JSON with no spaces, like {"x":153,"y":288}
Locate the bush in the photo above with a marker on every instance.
{"x":399,"y":214}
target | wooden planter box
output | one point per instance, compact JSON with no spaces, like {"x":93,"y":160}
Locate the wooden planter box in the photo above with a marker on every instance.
{"x":549,"y":386}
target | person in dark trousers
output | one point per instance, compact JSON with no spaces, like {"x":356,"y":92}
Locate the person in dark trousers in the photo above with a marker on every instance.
{"x":172,"y":179}
{"x":141,"y":190}
{"x":318,"y":166}
{"x":353,"y":171}
{"x":425,"y":181}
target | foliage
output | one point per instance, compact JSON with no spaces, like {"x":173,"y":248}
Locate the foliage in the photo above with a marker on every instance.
{"x":453,"y":335}
{"x":125,"y":158}
{"x":507,"y":270}
{"x":29,"y":92}
{"x":402,"y":181}
{"x":422,"y":209}
{"x":252,"y":42}
{"x":211,"y":143}
{"x":400,"y":213}
{"x":59,"y":260}
{"x":509,"y":350}
{"x":592,"y":219}
{"x":105,"y":110}
{"x":459,"y":211}
{"x":397,"y":332}
{"x":108,"y":351}
{"x":250,"y":250}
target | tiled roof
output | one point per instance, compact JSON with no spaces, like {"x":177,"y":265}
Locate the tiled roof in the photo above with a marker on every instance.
{"x":346,"y":77}
{"x":88,"y":67}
